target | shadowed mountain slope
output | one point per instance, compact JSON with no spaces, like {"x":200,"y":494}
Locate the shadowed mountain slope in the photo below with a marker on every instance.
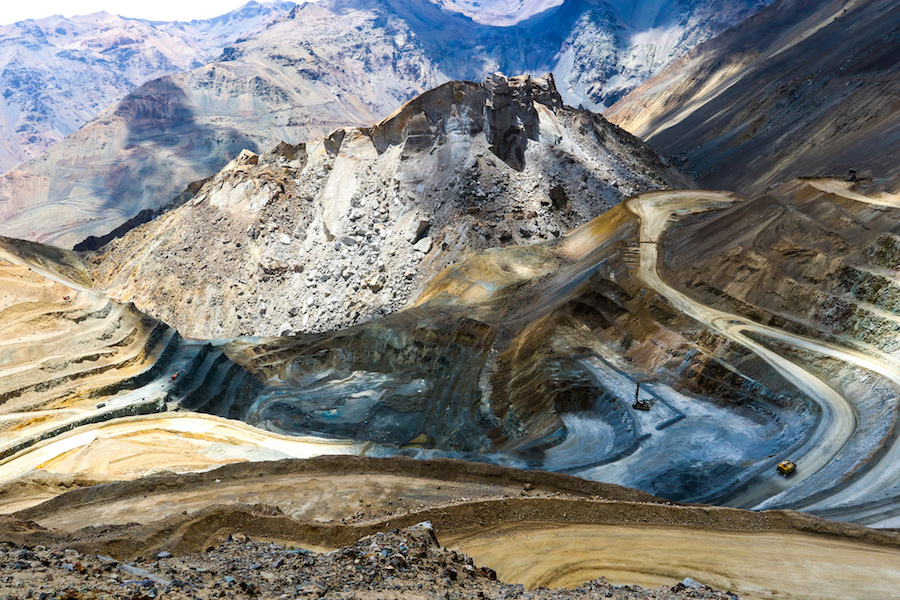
{"x":801,"y":88}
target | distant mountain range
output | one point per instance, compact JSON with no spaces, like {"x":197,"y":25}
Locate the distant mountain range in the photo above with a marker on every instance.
{"x":330,"y":64}
{"x":59,"y":73}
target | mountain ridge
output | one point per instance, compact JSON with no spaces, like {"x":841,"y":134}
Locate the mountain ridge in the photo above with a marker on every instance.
{"x":800,"y":89}
{"x":335,"y":63}
{"x":59,"y":73}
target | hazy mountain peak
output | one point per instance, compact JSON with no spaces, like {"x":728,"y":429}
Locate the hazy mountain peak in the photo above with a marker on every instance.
{"x":336,"y":62}
{"x":59,"y":72}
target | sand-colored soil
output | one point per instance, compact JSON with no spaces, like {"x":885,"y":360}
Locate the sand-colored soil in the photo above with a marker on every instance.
{"x":534,"y":528}
{"x":133,"y":447}
{"x":763,"y":565}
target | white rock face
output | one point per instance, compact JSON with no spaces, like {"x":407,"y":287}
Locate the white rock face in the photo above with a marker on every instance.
{"x":617,"y":45}
{"x":59,"y":73}
{"x":352,"y":227}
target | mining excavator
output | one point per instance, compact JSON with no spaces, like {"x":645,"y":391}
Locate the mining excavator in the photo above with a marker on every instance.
{"x":638,"y":403}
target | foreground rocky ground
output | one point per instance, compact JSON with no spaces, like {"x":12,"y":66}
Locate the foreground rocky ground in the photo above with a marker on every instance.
{"x":405,"y":563}
{"x":537,"y":529}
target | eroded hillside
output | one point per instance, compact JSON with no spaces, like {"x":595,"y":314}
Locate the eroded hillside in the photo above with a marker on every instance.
{"x":313,"y":238}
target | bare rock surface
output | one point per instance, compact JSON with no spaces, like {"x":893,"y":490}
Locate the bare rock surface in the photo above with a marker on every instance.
{"x":531,"y":355}
{"x":316,"y":237}
{"x":800,"y":89}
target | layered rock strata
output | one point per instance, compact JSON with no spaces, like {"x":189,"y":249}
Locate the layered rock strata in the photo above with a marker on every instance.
{"x":71,"y":358}
{"x":751,"y":327}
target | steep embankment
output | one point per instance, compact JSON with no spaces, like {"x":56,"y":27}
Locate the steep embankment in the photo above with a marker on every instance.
{"x":802,"y":88}
{"x":320,"y":237}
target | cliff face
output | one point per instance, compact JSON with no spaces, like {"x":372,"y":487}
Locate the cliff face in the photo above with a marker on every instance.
{"x":329,"y":64}
{"x":802,"y":88}
{"x":316,"y":237}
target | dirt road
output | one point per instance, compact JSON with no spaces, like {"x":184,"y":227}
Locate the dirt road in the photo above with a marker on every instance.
{"x":756,"y":566}
{"x":838,"y":421}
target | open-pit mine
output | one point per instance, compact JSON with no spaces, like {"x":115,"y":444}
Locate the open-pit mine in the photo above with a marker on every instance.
{"x":753,"y":330}
{"x":263,"y":338}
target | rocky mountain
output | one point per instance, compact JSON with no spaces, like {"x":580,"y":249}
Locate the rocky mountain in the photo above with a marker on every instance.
{"x":215,"y":34}
{"x":333,"y":63}
{"x":759,"y":330}
{"x":598,"y":64}
{"x":318,"y":237}
{"x":440,"y":286}
{"x":801,"y":88}
{"x":57,"y":73}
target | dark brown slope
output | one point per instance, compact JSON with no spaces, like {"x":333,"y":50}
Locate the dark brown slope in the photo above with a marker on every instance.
{"x":802,"y":88}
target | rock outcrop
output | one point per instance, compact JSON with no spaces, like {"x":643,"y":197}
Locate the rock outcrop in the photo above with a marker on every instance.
{"x":317,"y":237}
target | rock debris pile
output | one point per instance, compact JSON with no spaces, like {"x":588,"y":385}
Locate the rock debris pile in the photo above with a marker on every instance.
{"x":404,"y":564}
{"x":316,"y":237}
